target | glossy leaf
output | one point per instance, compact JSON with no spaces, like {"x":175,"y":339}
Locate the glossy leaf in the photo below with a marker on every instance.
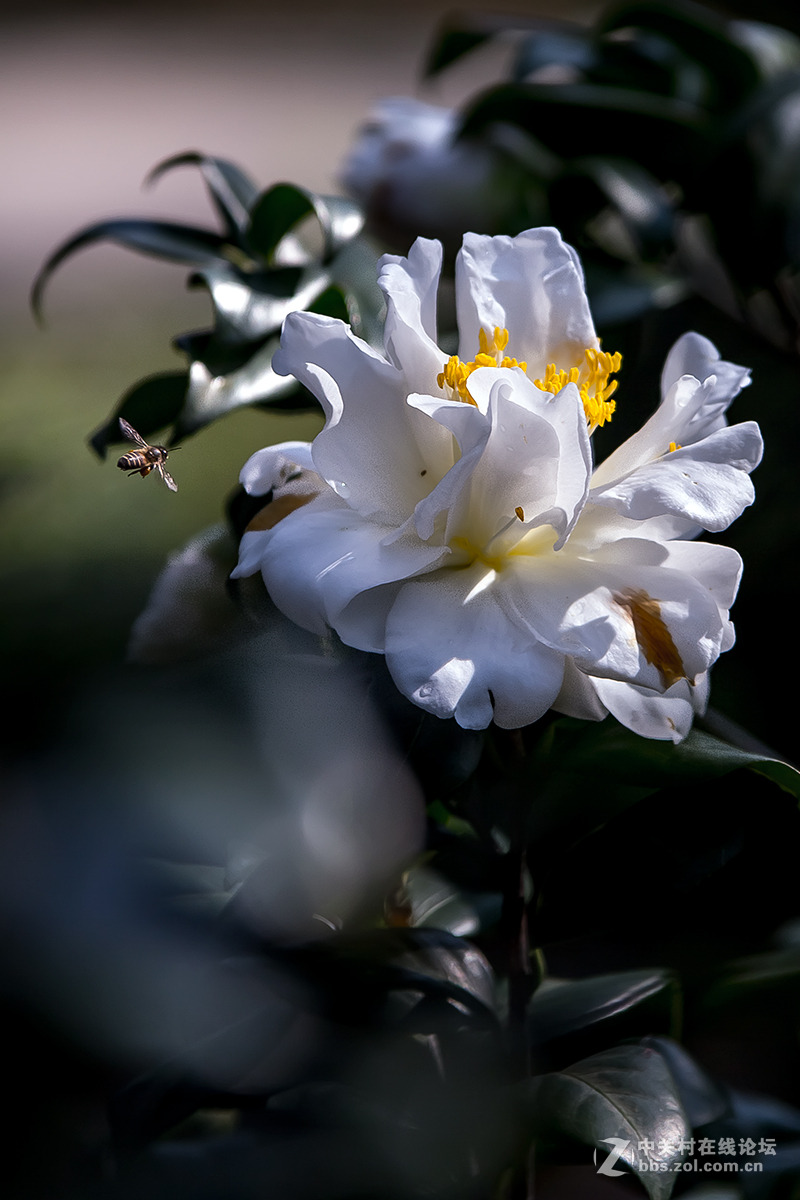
{"x":434,"y":902}
{"x":212,"y":396}
{"x":161,"y":239}
{"x":282,"y":207}
{"x":560,"y":1007}
{"x":452,"y":960}
{"x":626,"y":1094}
{"x":232,"y":192}
{"x":701,"y":1097}
{"x":247,"y":308}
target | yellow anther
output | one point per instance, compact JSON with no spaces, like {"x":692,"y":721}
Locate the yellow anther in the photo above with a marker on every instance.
{"x":490,"y":354}
{"x":519,"y":512}
{"x":592,"y":378}
{"x":673,"y":446}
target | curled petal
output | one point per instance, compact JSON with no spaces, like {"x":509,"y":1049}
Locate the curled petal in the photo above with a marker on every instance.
{"x":666,"y":716}
{"x":274,"y":466}
{"x":410,"y":286}
{"x":695,"y":355}
{"x":706,"y":483}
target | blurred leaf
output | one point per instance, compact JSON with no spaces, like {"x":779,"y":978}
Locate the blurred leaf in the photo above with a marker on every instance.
{"x":666,"y":136}
{"x":563,"y":1007}
{"x":763,"y":986}
{"x":284,"y":205}
{"x":434,"y":902}
{"x":162,"y":239}
{"x":151,"y":404}
{"x":700,"y":31}
{"x":643,"y":207}
{"x":232,"y":192}
{"x":561,"y":44}
{"x":463,"y":31}
{"x":649,"y":62}
{"x":626,"y":1093}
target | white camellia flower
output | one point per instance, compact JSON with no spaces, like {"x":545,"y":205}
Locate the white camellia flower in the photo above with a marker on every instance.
{"x":450,"y":517}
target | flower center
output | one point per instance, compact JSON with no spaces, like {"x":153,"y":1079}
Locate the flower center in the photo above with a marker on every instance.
{"x":591,"y":377}
{"x":496,"y":551}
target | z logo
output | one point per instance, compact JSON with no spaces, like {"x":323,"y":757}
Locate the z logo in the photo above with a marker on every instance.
{"x":618,"y":1149}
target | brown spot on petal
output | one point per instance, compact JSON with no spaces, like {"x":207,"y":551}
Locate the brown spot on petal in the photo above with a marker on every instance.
{"x":276,"y":510}
{"x":653,"y":637}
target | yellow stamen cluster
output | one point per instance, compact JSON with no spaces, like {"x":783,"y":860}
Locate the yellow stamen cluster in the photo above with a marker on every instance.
{"x":673,"y":446}
{"x":456,"y":373}
{"x":592,"y":379}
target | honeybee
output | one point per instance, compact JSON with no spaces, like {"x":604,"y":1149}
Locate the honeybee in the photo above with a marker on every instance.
{"x":146,"y":459}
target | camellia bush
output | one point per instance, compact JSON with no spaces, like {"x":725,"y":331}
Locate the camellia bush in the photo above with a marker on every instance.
{"x":444,"y":877}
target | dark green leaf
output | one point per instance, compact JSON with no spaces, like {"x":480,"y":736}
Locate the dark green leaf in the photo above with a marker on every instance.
{"x":626,"y":1094}
{"x":250,"y":307}
{"x":666,"y":136}
{"x":700,"y":32}
{"x":151,"y":404}
{"x":211,"y":396}
{"x":232,"y":192}
{"x":282,"y":207}
{"x":162,"y":239}
{"x":460,"y":34}
{"x":701,"y":1097}
{"x":587,"y":773}
{"x":563,"y":1006}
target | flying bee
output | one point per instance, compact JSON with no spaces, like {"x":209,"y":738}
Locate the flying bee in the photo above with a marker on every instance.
{"x":146,"y":459}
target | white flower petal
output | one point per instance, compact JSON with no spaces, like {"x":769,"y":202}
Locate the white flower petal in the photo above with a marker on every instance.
{"x":410,"y":286}
{"x":316,"y":560}
{"x":536,"y":459}
{"x":695,"y":355}
{"x":531,"y":285}
{"x":373,"y":449}
{"x":696,"y":388}
{"x":623,"y":615}
{"x":452,"y":650}
{"x":578,"y":696}
{"x":665,"y":716}
{"x":273,"y":466}
{"x":706,"y":483}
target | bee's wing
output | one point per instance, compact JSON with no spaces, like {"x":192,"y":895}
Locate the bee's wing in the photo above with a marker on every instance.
{"x":131,"y":434}
{"x":165,"y":475}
